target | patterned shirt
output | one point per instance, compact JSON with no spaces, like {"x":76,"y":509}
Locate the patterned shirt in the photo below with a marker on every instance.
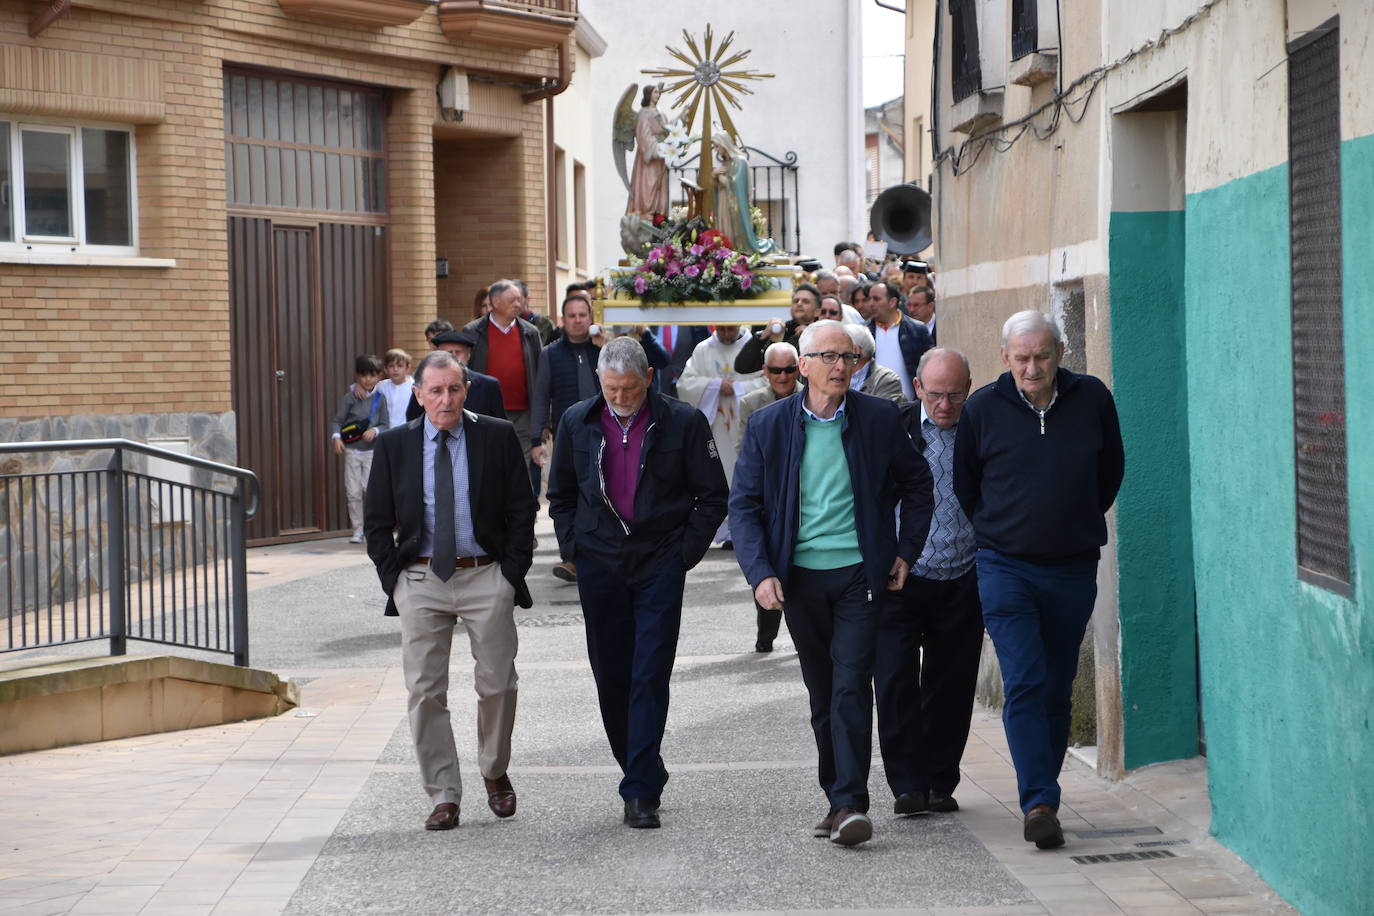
{"x":950,"y":545}
{"x":464,"y":538}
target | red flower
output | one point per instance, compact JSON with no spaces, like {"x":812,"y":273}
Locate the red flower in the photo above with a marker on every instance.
{"x":714,"y":238}
{"x":659,"y":220}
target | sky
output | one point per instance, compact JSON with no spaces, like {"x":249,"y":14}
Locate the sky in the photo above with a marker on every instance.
{"x":884,"y":33}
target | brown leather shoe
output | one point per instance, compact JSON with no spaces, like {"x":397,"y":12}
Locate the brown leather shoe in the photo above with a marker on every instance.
{"x":824,"y":827}
{"x":443,"y":817}
{"x":500,"y":795}
{"x":1042,"y":828}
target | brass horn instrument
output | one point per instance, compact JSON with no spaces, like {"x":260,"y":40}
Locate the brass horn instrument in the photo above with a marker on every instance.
{"x":900,"y":216}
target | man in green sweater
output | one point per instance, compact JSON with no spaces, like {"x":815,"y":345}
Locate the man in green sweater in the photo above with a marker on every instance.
{"x":815,"y":487}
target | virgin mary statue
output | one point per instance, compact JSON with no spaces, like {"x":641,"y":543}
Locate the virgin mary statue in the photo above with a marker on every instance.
{"x":732,"y":197}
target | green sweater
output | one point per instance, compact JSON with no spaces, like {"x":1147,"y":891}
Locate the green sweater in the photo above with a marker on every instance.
{"x":826,"y":537}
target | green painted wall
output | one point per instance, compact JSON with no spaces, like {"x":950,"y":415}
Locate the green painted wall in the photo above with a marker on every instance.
{"x":1287,"y":668}
{"x":1154,"y":546}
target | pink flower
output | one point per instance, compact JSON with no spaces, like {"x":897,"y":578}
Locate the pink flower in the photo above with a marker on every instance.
{"x":696,"y":250}
{"x":746,"y":281}
{"x":655,"y":255}
{"x":641,"y":284}
{"x":673,"y":269}
{"x":722,"y":254}
{"x":740,"y":267}
{"x":692,"y":270}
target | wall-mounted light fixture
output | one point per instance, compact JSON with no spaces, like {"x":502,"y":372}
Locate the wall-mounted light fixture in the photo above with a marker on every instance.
{"x":441,"y":268}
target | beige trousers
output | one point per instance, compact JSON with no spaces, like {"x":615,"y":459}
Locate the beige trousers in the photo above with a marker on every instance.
{"x":357,"y":467}
{"x":429,"y":608}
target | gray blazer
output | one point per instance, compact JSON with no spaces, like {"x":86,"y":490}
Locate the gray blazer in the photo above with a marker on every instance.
{"x":882,"y":382}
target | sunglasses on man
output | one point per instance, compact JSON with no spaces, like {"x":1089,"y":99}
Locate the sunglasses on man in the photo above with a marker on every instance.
{"x":781,"y":370}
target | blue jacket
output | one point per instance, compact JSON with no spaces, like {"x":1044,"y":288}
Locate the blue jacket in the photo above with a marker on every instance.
{"x":679,"y":497}
{"x":1038,"y":488}
{"x":914,"y":340}
{"x":884,"y":470}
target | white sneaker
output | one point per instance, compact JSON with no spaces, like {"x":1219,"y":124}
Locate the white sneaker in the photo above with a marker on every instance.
{"x":357,"y":538}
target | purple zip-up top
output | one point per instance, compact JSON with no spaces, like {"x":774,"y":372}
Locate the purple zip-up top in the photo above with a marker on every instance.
{"x":620,"y":460}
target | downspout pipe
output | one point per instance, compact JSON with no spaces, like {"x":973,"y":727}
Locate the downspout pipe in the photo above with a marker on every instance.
{"x":545,"y":94}
{"x":54,"y":11}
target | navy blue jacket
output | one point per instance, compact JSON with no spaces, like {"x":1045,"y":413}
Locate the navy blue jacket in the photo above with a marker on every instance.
{"x":680,"y":496}
{"x":1033,"y":489}
{"x":884,"y":470}
{"x":914,"y":340}
{"x":484,"y":397}
{"x":555,"y":385}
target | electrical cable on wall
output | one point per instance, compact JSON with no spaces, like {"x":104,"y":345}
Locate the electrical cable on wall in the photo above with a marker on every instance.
{"x":1072,"y":102}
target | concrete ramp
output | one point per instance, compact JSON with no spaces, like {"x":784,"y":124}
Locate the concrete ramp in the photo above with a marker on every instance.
{"x":79,"y":701}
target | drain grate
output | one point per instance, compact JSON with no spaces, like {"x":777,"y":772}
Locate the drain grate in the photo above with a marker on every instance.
{"x":1141,"y":856}
{"x":1108,"y":832}
{"x":1153,"y":843}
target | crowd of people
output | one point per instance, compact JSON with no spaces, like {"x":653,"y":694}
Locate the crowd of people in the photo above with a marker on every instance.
{"x":872,"y":502}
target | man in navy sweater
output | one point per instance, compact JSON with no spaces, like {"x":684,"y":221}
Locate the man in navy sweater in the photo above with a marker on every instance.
{"x":1038,"y":461}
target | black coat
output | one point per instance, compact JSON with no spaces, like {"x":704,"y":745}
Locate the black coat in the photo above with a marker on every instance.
{"x":1039,"y":489}
{"x":484,"y":397}
{"x":680,"y":498}
{"x":503,"y":506}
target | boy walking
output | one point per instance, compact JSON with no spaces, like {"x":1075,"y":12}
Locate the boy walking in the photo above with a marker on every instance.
{"x":361,"y":416}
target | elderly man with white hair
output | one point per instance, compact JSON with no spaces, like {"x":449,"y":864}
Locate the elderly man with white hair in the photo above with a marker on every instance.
{"x":1038,"y":460}
{"x":635,"y":491}
{"x":870,"y":377}
{"x":812,"y":507}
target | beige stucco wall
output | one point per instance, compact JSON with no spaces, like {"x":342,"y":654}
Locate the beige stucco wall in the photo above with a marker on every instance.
{"x":575,"y":134}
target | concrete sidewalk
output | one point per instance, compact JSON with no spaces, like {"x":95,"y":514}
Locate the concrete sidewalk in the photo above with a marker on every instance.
{"x":320,"y":810}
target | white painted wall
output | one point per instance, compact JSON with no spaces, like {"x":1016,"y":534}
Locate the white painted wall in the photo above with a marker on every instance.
{"x":574,"y":131}
{"x":812,"y":106}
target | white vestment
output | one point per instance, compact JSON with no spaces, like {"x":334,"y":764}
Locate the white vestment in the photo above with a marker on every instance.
{"x":699,"y":385}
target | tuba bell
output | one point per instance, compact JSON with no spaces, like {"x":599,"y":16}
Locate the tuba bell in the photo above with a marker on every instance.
{"x":900,"y":216}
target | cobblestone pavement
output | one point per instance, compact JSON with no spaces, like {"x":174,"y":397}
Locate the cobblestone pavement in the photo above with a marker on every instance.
{"x":319,"y":810}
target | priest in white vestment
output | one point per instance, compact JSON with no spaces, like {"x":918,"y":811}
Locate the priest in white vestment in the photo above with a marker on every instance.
{"x":710,"y":384}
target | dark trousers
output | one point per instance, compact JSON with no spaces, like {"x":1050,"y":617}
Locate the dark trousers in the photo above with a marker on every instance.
{"x":769,"y":622}
{"x":930,"y":639}
{"x":834,"y":627}
{"x":1036,"y":615}
{"x":632,"y":634}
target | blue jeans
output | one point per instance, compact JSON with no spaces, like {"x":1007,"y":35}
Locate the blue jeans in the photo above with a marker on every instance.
{"x":631,"y":642}
{"x":835,"y":629}
{"x":1036,"y":615}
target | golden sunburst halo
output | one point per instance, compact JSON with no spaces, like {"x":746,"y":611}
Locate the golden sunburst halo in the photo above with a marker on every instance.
{"x":707,"y":80}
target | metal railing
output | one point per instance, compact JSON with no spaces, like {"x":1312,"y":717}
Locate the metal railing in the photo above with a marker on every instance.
{"x":114,"y":551}
{"x":563,"y":9}
{"x":772,"y":186}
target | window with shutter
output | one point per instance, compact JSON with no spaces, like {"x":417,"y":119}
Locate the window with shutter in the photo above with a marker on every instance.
{"x":967,"y":76}
{"x":1314,"y":186}
{"x":1025,"y":37}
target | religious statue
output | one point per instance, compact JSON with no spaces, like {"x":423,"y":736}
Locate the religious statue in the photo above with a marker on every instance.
{"x":647,"y":182}
{"x":733,"y":202}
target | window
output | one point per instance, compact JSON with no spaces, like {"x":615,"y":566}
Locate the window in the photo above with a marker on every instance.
{"x":1024,"y":28}
{"x":560,"y":205}
{"x":66,"y":187}
{"x":1314,"y":187}
{"x":967,"y":75}
{"x":580,"y":212}
{"x":298,"y":145}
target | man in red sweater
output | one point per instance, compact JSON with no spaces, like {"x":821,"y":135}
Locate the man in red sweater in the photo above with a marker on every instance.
{"x":507,"y":347}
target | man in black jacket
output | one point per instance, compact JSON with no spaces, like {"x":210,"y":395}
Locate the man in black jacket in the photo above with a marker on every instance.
{"x":636,"y":492}
{"x":1038,"y":461}
{"x":449,"y":522}
{"x":899,"y":340}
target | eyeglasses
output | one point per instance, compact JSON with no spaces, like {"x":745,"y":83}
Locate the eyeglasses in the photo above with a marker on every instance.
{"x":829,"y":357}
{"x":954,"y":398}
{"x":827,"y":313}
{"x":781,"y":370}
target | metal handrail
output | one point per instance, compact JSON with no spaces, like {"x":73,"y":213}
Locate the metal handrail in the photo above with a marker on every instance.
{"x":98,"y":562}
{"x":250,"y":509}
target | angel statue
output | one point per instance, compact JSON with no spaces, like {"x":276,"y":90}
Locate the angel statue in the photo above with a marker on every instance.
{"x":733,"y":201}
{"x":643,"y":132}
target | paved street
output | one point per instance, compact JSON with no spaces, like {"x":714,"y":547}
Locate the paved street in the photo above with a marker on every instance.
{"x":319,"y":811}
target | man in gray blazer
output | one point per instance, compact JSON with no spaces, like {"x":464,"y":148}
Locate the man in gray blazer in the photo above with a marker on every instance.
{"x":870,"y":377}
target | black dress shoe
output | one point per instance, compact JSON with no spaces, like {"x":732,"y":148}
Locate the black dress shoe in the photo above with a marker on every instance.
{"x":641,"y":813}
{"x":910,"y":803}
{"x":1042,"y":828}
{"x":762,"y":647}
{"x":939,"y":801}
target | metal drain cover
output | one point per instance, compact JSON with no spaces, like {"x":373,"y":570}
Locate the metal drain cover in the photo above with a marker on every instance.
{"x":1141,"y":856}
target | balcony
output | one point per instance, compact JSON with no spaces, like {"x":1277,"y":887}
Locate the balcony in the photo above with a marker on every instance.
{"x":369,"y":14}
{"x":523,"y":24}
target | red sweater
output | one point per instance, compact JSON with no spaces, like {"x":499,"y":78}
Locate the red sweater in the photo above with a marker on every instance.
{"x":506,"y":361}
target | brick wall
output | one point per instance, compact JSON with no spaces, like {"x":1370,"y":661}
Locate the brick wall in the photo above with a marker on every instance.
{"x":82,"y":339}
